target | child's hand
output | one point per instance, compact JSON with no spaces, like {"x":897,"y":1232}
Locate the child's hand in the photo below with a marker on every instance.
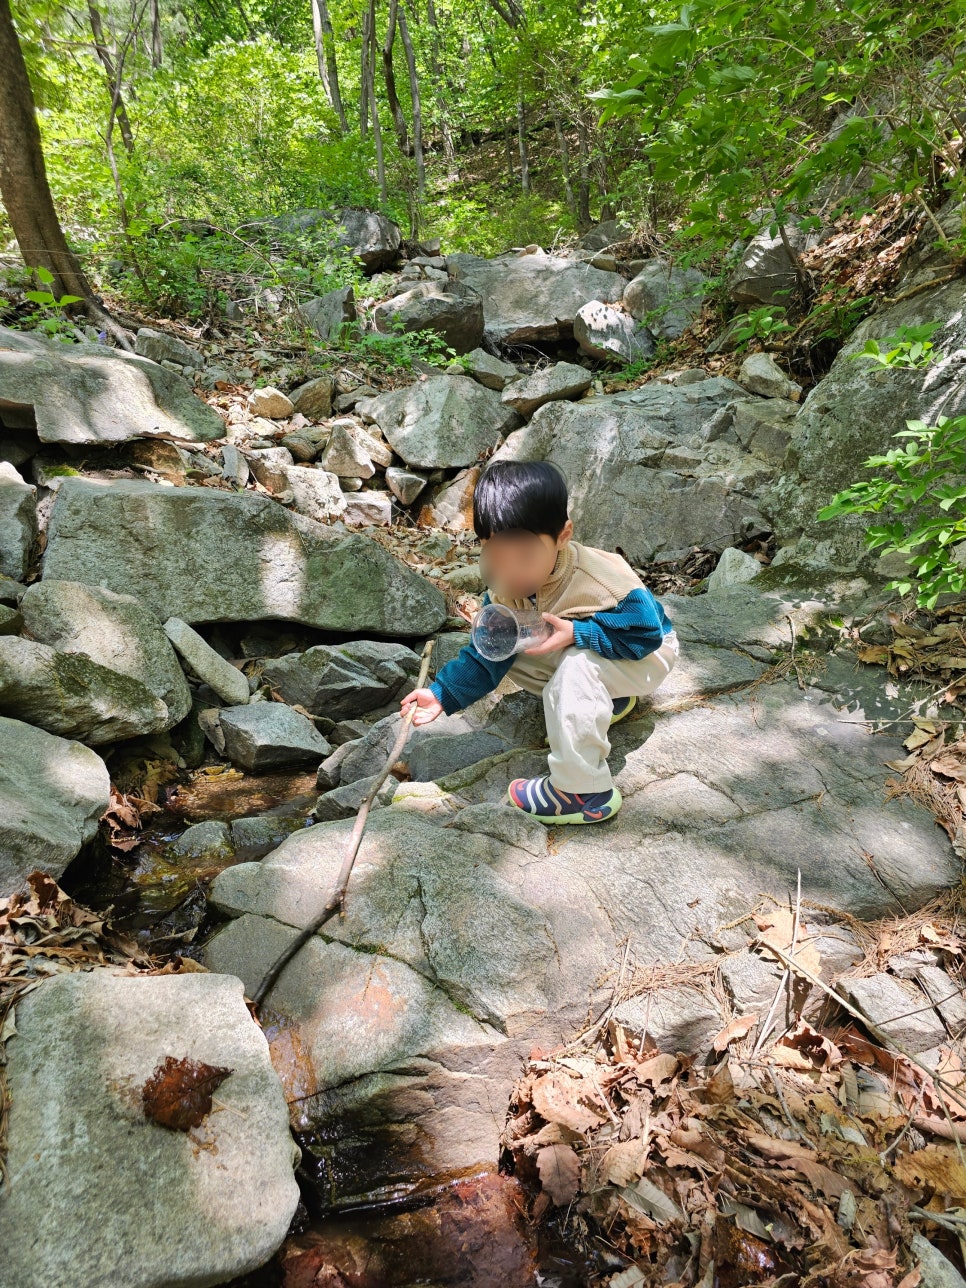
{"x":562,"y":637}
{"x":426,"y":704}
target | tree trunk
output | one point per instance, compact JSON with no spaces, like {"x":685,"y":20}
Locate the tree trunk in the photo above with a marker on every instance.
{"x":113,"y":72}
{"x":389,"y":76}
{"x":369,"y":62}
{"x":417,"y":105}
{"x":328,"y":67}
{"x":564,"y":149}
{"x":449,"y":151}
{"x":522,"y":141}
{"x":583,"y":190}
{"x":23,"y":175}
{"x":156,"y":47}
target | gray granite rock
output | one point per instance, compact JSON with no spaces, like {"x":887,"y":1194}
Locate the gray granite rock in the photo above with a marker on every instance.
{"x":267,"y":735}
{"x":208,"y":665}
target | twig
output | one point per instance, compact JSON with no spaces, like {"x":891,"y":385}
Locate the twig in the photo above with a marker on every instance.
{"x":785,"y":981}
{"x":337,"y":902}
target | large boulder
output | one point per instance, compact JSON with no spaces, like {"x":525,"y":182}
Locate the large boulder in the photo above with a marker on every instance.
{"x":115,"y":630}
{"x":18,"y":521}
{"x":52,"y":793}
{"x":851,"y":414}
{"x":99,"y":1192}
{"x":328,"y":314}
{"x":270,"y":735}
{"x":668,"y":299}
{"x":451,"y":309}
{"x":88,"y":393}
{"x":441,"y":423}
{"x":68,"y":694}
{"x":372,"y":238}
{"x":766,"y":274}
{"x":205,"y":555}
{"x":646,"y":473}
{"x":344,"y":680}
{"x":530,"y":299}
{"x":561,"y":380}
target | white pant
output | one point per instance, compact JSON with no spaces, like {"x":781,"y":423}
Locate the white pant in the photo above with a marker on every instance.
{"x":578,"y":688}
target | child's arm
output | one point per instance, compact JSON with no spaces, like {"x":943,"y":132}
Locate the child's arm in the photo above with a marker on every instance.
{"x":630,"y":630}
{"x":458,"y":684}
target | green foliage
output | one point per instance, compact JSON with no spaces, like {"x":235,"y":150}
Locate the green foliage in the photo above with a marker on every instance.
{"x":909,"y":348}
{"x":922,"y":495}
{"x":51,"y":316}
{"x":838,"y":316}
{"x":489,"y":220}
{"x":764,"y":323}
{"x":398,"y":350}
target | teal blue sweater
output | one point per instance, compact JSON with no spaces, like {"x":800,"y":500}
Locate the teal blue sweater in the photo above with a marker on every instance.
{"x":630,"y":630}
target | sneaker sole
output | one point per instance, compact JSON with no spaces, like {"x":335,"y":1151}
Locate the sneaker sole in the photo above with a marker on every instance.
{"x":573,"y":820}
{"x":624,"y":714}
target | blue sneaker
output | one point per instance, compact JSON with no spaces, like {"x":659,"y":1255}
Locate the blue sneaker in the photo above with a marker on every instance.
{"x":548,"y":804}
{"x":622,"y":707}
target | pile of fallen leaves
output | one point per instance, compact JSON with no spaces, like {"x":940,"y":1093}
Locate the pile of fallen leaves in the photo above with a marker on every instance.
{"x":43,"y":932}
{"x":820,"y":1157}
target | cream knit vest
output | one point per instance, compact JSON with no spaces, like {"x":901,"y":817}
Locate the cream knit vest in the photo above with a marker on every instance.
{"x":584,"y":581}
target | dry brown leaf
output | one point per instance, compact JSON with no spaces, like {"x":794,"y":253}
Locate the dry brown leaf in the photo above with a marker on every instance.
{"x":937,"y":1167}
{"x":623,"y":1163}
{"x":559,"y":1099}
{"x":559,"y":1169}
{"x":737,"y":1028}
{"x":775,"y":929}
{"x":658,"y":1069}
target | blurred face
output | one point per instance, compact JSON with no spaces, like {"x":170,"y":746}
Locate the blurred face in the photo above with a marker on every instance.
{"x":516,"y":564}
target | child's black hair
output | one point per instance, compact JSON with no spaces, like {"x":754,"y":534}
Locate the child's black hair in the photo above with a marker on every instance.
{"x":515,"y":495}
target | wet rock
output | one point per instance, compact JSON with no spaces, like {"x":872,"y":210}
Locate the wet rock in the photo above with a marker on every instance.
{"x":267,"y":735}
{"x":209,"y":666}
{"x":450,"y":309}
{"x":343,"y":680}
{"x":116,"y":631}
{"x":440,"y":423}
{"x":487,"y":370}
{"x":68,"y":694}
{"x":561,"y":380}
{"x":732,"y":569}
{"x":83,"y":1154}
{"x":607,"y":333}
{"x":204,"y":555}
{"x":314,"y":398}
{"x":532,"y":298}
{"x":18,"y":522}
{"x":89,"y":393}
{"x":52,"y":793}
{"x":210,"y":839}
{"x":271,"y":403}
{"x":666,"y":298}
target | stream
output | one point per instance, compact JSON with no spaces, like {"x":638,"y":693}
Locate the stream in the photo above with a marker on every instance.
{"x":468,"y":1231}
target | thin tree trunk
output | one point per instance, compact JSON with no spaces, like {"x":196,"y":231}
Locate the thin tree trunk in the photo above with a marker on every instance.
{"x":417,"y":104}
{"x":370,"y":74}
{"x":113,"y":76}
{"x":364,"y":76}
{"x":583,"y":189}
{"x":522,"y":141}
{"x":157,"y":50}
{"x":328,"y":67}
{"x":449,"y":151}
{"x":564,"y":149}
{"x":511,"y":173}
{"x":389,"y":76}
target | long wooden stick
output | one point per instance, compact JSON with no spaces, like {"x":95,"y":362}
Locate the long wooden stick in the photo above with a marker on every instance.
{"x":337,"y":902}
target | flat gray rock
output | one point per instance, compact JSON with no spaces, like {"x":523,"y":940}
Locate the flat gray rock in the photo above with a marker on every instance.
{"x":205,"y":555}
{"x":117,"y":631}
{"x":89,"y":393}
{"x":898,"y":1008}
{"x":342,"y":680}
{"x":52,"y":793}
{"x":68,"y":694}
{"x":99,"y":1194}
{"x":266,"y":735}
{"x":561,"y":380}
{"x":443,"y":422}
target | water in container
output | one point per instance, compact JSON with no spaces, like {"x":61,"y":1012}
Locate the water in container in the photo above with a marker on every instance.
{"x":498,"y":632}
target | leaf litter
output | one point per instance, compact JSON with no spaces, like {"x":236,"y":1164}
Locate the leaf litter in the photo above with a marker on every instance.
{"x":814,"y":1157}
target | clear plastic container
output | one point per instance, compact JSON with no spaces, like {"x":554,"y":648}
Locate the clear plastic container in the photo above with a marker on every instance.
{"x":498,"y":632}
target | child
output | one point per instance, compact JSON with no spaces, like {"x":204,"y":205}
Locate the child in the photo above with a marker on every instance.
{"x":611,"y":640}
